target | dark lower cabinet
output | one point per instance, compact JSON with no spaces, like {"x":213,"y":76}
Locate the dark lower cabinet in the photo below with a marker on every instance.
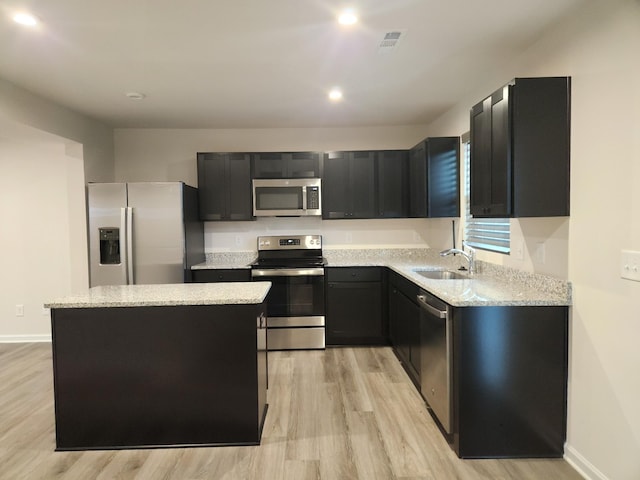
{"x":507,"y":372}
{"x":510,"y":381}
{"x":139,"y":377}
{"x":354,"y":306}
{"x":404,"y":324}
{"x":221,"y":275}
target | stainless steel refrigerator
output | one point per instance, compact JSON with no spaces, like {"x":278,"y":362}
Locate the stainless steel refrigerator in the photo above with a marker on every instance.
{"x":143,"y":233}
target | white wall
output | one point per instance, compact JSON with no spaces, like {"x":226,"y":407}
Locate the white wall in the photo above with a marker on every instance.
{"x":47,"y":152}
{"x":43,"y":240}
{"x":598,"y":48}
{"x":22,"y":107}
{"x":170,"y":155}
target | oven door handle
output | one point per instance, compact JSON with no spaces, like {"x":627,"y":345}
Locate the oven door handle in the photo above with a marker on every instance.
{"x":287,"y":272}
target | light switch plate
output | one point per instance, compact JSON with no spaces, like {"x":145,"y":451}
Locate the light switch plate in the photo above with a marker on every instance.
{"x":630,"y":265}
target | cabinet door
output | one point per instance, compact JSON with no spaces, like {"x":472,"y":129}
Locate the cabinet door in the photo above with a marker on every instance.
{"x":392,"y":191}
{"x":269,"y":165}
{"x":418,"y":181}
{"x":304,"y":165}
{"x":480,"y":161}
{"x":443,"y":163}
{"x":409,"y":336}
{"x":212,"y":186}
{"x":335,"y":186}
{"x":354,"y":313}
{"x":286,"y":165}
{"x":362,"y":183}
{"x":224,"y":186}
{"x":355,"y":310}
{"x":239,"y":204}
{"x":500,"y":205}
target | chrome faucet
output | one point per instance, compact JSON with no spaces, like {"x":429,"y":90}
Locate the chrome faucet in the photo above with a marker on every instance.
{"x":471,"y":256}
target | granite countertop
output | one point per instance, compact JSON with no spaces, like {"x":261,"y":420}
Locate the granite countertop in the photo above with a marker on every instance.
{"x":226,"y":260}
{"x":166,"y":295}
{"x":493,"y":285}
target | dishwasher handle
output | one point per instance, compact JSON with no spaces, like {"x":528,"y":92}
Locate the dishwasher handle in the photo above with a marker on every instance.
{"x":424,"y":303}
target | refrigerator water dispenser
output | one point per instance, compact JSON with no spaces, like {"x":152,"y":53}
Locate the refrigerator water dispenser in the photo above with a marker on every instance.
{"x":109,"y":246}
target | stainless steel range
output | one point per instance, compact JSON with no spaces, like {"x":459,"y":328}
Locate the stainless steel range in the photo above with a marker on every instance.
{"x":295,"y":304}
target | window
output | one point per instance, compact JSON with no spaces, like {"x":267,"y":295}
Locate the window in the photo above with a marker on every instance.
{"x":493,"y":234}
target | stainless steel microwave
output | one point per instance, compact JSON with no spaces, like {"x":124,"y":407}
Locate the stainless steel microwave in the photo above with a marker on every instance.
{"x":287,"y":197}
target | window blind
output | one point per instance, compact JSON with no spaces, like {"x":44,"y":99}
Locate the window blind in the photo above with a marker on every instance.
{"x":493,"y":234}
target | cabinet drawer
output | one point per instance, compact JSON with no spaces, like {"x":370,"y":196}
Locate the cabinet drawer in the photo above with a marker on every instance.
{"x":222,"y":275}
{"x":354,"y":274}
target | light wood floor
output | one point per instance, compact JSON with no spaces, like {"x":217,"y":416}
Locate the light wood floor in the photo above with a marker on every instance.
{"x":348,"y":413}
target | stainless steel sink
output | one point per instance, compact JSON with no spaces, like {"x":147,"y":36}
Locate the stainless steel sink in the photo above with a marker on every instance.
{"x":441,"y":275}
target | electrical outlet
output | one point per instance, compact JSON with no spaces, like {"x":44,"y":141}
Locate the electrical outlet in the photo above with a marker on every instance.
{"x":238,"y":240}
{"x":46,"y":311}
{"x":19,"y":310}
{"x":349,"y":237}
{"x":630,"y":265}
{"x":541,"y":253}
{"x":517,"y":249}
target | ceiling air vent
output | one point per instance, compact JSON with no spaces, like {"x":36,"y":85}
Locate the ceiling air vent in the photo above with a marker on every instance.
{"x":390,"y":41}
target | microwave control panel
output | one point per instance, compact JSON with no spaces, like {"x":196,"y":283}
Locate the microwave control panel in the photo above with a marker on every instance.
{"x":313,"y":198}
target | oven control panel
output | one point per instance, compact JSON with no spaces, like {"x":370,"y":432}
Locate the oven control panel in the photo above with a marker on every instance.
{"x":298,"y":242}
{"x":289,"y":241}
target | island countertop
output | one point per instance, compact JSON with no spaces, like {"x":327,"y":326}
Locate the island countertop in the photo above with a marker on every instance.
{"x":235,"y":293}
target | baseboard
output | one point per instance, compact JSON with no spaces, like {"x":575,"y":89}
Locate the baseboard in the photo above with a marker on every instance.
{"x":582,"y":465}
{"x":25,"y":338}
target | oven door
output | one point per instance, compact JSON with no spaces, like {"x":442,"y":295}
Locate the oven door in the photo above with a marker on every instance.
{"x":295,"y":307}
{"x":295,"y":292}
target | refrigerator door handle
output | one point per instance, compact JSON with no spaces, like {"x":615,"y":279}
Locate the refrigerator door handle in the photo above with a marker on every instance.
{"x":124,"y":260}
{"x":129,"y":234}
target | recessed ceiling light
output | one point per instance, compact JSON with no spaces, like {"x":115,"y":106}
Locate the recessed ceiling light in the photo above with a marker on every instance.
{"x":135,"y":95}
{"x":347,"y":17}
{"x":25,"y":19}
{"x":335,"y":94}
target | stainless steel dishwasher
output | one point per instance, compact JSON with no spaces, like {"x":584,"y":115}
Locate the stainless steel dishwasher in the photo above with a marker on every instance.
{"x":436,"y":355}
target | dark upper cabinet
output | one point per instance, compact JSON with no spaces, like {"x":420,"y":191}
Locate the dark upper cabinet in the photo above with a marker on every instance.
{"x":365,"y":184}
{"x":348,"y":185}
{"x":224,"y":186}
{"x":434,"y":178}
{"x":392,"y":183}
{"x":520,"y":150}
{"x":287,"y":165}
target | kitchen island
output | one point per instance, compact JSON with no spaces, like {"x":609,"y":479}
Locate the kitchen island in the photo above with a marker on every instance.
{"x":160,"y":365}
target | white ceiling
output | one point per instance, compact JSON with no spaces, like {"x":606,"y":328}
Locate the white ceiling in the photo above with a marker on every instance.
{"x":261,"y":63}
